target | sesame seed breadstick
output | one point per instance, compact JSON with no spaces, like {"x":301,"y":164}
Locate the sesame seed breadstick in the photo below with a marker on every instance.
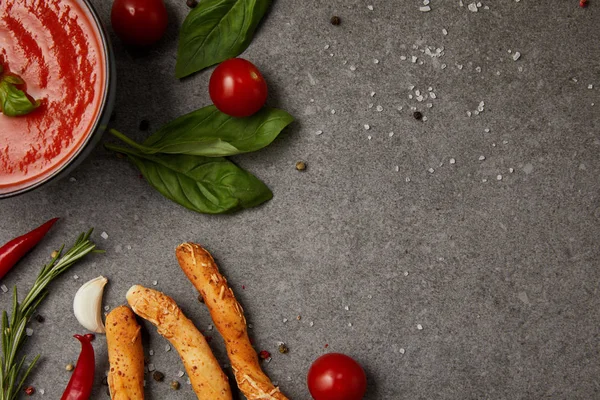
{"x":125,"y":355}
{"x":228,"y":317}
{"x":207,"y":379}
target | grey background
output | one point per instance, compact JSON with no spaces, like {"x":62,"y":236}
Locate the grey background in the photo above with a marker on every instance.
{"x":502,"y":275}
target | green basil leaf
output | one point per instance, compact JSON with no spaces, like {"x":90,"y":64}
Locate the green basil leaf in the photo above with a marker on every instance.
{"x":215,"y":31}
{"x":14,"y":102}
{"x":201,"y":184}
{"x":15,"y":80}
{"x":211,"y":133}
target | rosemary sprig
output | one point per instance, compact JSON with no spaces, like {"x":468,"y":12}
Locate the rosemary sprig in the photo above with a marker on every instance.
{"x":12,"y":372}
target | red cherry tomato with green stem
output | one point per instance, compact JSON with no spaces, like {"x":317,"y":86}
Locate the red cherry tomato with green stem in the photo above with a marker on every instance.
{"x":139,"y":22}
{"x":336,"y":377}
{"x":237,"y":88}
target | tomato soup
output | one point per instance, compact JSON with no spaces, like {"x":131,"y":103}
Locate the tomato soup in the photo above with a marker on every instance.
{"x":56,"y":48}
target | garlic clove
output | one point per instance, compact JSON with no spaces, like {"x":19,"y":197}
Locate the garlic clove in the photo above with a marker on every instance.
{"x":87,"y":304}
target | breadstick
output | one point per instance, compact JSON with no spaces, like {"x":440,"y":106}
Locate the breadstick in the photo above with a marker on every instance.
{"x":207,"y":378}
{"x":125,"y":355}
{"x":228,"y":317}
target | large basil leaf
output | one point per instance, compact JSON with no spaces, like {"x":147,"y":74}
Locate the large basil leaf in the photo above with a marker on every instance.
{"x":202,"y":184}
{"x":211,"y":133}
{"x":14,"y":102}
{"x":215,"y":31}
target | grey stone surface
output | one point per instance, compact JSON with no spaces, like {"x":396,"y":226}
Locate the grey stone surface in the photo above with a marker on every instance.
{"x":501,"y":274}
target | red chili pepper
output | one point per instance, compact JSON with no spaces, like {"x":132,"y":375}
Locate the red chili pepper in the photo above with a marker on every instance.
{"x":583,"y":3}
{"x":90,"y":336}
{"x":82,"y":380}
{"x":14,"y":250}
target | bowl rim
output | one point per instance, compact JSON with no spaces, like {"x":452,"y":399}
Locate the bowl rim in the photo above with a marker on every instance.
{"x":104,"y":103}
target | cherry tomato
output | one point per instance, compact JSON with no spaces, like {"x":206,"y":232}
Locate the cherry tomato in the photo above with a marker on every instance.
{"x":139,"y":22}
{"x":237,"y":88}
{"x":336,"y":376}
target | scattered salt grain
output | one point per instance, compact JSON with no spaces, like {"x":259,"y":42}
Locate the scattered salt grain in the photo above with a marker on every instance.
{"x":484,"y":180}
{"x":431,"y":170}
{"x":402,"y":351}
{"x":452,"y":161}
{"x":420,"y":327}
{"x":4,"y":288}
{"x":403,"y":58}
{"x":424,"y":8}
{"x":468,"y":113}
{"x":375,"y":61}
{"x":167,"y":347}
{"x":429,"y":105}
{"x":418,"y":92}
{"x":511,"y":170}
{"x":370,"y":105}
{"x":42,"y":391}
{"x":29,"y":331}
{"x":391,"y":134}
{"x":372,"y":94}
{"x":425,"y":2}
{"x":413,"y":59}
{"x":516,"y":56}
{"x":472,"y":7}
{"x":410,"y":96}
{"x":180,"y":373}
{"x":481,"y":158}
{"x":459,"y":66}
{"x":311,"y":323}
{"x":347,"y":308}
{"x":151,"y":352}
{"x":433,"y":95}
{"x":155,"y":283}
{"x":75,"y":277}
{"x":370,"y":7}
{"x":151,"y":367}
{"x":397,"y":168}
{"x":590,"y":86}
{"x":443,"y":66}
{"x":71,"y":179}
{"x":424,"y":119}
{"x":319,"y":132}
{"x":326,"y":47}
{"x":367,"y":126}
{"x":407,"y":179}
{"x":499,"y":177}
{"x":487,"y":130}
{"x":106,"y":308}
{"x":350,"y":324}
{"x":104,"y":235}
{"x":379,"y":108}
{"x":352,"y":68}
{"x":369,"y":137}
{"x":444,"y":32}
{"x":285,"y":320}
{"x":478,"y":69}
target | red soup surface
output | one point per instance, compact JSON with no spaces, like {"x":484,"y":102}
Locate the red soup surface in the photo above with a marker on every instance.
{"x":56,"y":48}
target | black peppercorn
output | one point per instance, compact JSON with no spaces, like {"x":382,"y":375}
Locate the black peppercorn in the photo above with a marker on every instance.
{"x":191,"y":3}
{"x":39,"y":318}
{"x":144,"y":125}
{"x":418,"y":115}
{"x":335,"y":20}
{"x":158,"y":376}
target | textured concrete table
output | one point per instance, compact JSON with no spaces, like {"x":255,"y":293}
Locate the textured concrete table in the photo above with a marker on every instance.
{"x":456,"y":258}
